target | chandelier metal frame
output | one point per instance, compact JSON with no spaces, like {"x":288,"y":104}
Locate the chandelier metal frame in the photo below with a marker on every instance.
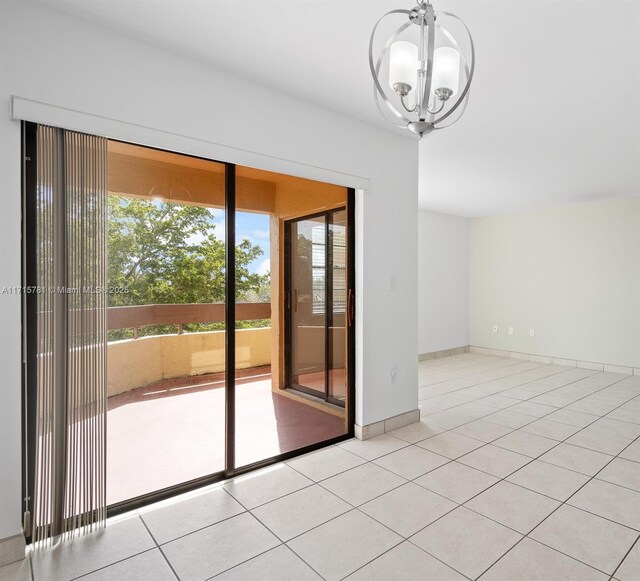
{"x":420,"y":119}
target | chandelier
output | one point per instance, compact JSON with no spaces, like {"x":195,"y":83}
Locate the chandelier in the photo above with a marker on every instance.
{"x":427,"y":88}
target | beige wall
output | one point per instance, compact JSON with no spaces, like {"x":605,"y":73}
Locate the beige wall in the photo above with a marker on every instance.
{"x":138,"y":362}
{"x":443,"y":281}
{"x":572,"y":274}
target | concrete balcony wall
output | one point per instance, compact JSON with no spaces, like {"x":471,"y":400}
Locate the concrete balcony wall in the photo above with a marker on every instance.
{"x":135,"y":363}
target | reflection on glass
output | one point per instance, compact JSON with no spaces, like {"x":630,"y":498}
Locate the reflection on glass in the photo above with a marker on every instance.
{"x":166,"y":350}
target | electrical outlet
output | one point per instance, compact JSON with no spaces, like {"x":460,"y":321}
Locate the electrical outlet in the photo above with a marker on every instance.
{"x":393,"y":282}
{"x":495,"y":328}
{"x":393,"y":374}
{"x":532,"y":333}
{"x":510,"y":330}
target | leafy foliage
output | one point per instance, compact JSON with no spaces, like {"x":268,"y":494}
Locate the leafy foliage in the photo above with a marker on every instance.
{"x":169,"y":253}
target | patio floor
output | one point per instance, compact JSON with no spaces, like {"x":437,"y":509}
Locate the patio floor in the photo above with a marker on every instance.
{"x":173,"y":431}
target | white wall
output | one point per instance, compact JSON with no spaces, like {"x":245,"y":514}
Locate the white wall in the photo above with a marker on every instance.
{"x":572,"y":274}
{"x":443,"y":281}
{"x":51,"y":57}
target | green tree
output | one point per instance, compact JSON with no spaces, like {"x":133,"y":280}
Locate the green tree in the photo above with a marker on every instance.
{"x":168,"y":253}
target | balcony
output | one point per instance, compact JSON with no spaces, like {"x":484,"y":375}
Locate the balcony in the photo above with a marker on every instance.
{"x":166,"y":401}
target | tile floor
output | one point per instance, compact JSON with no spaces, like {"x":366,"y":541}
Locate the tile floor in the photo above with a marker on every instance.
{"x":517,"y":471}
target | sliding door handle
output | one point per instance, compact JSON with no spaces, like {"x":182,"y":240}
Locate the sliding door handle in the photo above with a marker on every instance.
{"x":295,"y":301}
{"x":350,"y":308}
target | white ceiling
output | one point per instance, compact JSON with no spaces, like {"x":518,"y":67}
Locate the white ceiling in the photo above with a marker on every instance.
{"x":554,"y":113}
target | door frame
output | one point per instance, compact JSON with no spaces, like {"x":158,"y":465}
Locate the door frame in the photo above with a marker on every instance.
{"x":288,"y":315}
{"x":29,"y":375}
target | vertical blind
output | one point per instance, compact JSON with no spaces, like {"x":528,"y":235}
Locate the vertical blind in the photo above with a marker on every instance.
{"x":71,"y":252}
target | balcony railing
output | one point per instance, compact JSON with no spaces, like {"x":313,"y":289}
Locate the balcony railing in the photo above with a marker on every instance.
{"x":137,"y":362}
{"x":138,"y":316}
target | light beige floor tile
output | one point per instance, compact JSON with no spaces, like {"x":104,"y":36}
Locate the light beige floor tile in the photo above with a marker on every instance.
{"x":632,"y":452}
{"x":525,"y":443}
{"x":326,"y":463}
{"x":576,"y":458}
{"x":210,"y":551}
{"x":628,"y":570}
{"x":466,"y":541}
{"x":121,"y":539}
{"x":623,"y":429}
{"x":494,"y":460}
{"x":300,"y":511}
{"x":611,"y":501}
{"x":499,"y":401}
{"x":343,"y":545}
{"x":450,"y":444}
{"x":450,"y":400}
{"x":553,"y":399}
{"x":408,"y":509}
{"x":149,"y":565}
{"x":532,"y":561}
{"x":476,"y":409}
{"x":405,"y":562}
{"x":551,"y":429}
{"x":257,"y":488}
{"x":363,"y":483}
{"x":483,"y":430}
{"x":591,"y":407}
{"x":622,"y":472}
{"x":534,"y":409}
{"x":374,"y":447}
{"x":519,"y":393}
{"x":415,"y":432}
{"x":625,"y":414}
{"x":185,"y":514}
{"x":572,"y":418}
{"x":280,"y":563}
{"x":513,"y":506}
{"x":539,"y":387}
{"x":436,"y":389}
{"x":447,"y":419}
{"x":411,"y":462}
{"x":510,"y":418}
{"x":599,"y":440}
{"x":586,"y":537}
{"x":19,"y":571}
{"x":456,"y":481}
{"x":548,"y":479}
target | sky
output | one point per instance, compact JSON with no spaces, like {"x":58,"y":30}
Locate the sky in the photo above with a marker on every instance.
{"x":249,"y":225}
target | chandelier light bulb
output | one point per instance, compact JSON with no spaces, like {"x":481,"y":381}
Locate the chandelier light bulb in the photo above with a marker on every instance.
{"x":438,"y":79}
{"x":403,"y":66}
{"x":446,"y":72}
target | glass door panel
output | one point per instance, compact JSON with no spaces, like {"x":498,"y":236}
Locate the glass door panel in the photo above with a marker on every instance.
{"x":308,"y":304}
{"x":337,"y":307}
{"x":166,"y":319}
{"x":282,"y":340}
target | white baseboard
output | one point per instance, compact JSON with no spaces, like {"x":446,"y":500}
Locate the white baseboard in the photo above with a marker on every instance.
{"x":388,"y":425}
{"x":443,"y":353}
{"x":557,"y":360}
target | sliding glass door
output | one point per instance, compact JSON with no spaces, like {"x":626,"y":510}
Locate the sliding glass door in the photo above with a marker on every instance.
{"x":298,"y":240}
{"x":167,"y":320}
{"x":306,"y":357}
{"x":317,"y":300}
{"x":227,"y":318}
